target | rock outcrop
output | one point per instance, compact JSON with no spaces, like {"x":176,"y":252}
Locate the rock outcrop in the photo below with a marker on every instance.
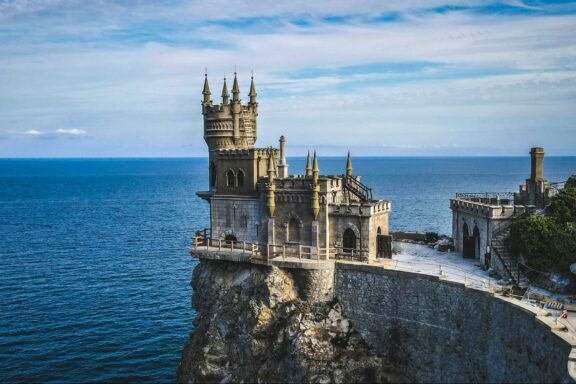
{"x":256,"y":324}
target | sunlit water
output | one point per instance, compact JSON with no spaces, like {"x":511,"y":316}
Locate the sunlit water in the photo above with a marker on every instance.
{"x":94,"y":270}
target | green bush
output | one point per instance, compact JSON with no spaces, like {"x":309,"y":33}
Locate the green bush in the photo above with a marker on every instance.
{"x":548,"y":243}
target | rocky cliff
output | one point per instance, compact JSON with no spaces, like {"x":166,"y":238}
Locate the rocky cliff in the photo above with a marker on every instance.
{"x":266,"y":324}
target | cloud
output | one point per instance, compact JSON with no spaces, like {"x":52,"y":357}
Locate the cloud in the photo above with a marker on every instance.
{"x":72,"y":132}
{"x":33,"y":132}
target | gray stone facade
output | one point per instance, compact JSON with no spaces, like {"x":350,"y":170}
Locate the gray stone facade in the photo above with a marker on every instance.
{"x":439,"y":331}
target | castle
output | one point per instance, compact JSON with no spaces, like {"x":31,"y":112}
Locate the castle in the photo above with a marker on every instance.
{"x":256,"y":205}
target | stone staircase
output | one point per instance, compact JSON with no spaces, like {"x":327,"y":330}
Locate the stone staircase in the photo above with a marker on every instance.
{"x":358,"y":189}
{"x":503,"y":253}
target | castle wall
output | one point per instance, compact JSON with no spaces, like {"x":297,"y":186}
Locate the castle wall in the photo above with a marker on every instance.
{"x":439,"y":331}
{"x":236,"y":216}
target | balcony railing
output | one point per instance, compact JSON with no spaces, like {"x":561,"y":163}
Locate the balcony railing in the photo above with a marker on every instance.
{"x":492,"y":198}
{"x":258,"y":251}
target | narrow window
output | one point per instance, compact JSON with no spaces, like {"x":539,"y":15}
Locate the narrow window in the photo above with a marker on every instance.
{"x":240,"y":178}
{"x":230,"y":178}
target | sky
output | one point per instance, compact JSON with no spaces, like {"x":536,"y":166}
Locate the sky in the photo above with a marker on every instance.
{"x":380,"y":78}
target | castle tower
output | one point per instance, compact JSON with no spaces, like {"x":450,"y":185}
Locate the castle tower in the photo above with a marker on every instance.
{"x":229,"y":125}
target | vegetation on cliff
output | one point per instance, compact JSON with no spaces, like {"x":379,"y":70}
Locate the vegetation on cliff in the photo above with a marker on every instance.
{"x":548,"y":242}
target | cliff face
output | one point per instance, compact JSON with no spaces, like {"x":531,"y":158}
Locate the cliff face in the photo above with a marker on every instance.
{"x":260,"y":324}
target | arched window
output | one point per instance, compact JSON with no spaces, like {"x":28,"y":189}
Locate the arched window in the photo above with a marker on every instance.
{"x":349,"y":239}
{"x":240,"y":178}
{"x":379,"y":231}
{"x":230,"y":178}
{"x":293,"y":230}
{"x":212,"y":174}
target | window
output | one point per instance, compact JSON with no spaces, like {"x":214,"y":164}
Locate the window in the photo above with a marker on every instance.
{"x":230,"y":178}
{"x":212,"y":174}
{"x":349,"y":240}
{"x":240,"y":178}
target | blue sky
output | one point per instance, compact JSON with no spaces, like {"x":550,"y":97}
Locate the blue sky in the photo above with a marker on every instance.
{"x":124,"y":78}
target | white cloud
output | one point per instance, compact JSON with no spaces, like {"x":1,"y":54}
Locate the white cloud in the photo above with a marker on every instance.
{"x":72,"y":132}
{"x":33,"y":132}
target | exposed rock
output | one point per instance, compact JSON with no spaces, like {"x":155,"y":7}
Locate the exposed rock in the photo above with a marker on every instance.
{"x":253,"y":325}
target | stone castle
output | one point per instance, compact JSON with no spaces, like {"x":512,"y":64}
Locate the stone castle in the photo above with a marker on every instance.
{"x":254,"y":201}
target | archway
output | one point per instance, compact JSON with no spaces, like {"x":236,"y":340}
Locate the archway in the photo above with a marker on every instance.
{"x":230,"y":239}
{"x":467,"y":243}
{"x":349,"y":239}
{"x":476,"y":242}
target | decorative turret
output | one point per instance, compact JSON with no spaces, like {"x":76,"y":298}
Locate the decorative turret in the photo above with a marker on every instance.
{"x":315,"y":189}
{"x":271,"y":187}
{"x":225,"y":94}
{"x":229,"y":125}
{"x":282,"y":166}
{"x":349,"y":165}
{"x":308,"y":166}
{"x":252,"y":93}
{"x":206,"y":91}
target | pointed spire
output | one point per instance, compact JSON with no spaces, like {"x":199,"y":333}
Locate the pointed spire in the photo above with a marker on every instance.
{"x":252,"y":93}
{"x":206,"y":90}
{"x":349,"y":165}
{"x":308,"y":165}
{"x":315,"y":169}
{"x":271,"y":168}
{"x":235,"y":89}
{"x":225,"y":94}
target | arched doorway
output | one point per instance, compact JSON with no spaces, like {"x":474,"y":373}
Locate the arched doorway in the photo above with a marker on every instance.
{"x":467,"y":243}
{"x":349,"y":239}
{"x":230,"y":239}
{"x":476,"y":242}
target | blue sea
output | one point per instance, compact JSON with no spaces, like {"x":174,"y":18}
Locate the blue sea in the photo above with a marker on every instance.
{"x":94,"y":269}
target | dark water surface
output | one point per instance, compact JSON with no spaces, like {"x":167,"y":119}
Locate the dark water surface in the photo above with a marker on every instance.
{"x":94,"y":270}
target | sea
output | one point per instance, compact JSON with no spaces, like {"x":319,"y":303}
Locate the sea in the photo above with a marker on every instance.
{"x":94,"y":264}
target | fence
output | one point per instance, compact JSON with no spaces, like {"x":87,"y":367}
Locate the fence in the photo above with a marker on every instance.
{"x":446,"y":271}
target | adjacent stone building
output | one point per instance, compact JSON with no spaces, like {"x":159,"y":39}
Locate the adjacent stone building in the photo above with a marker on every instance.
{"x":254,"y":199}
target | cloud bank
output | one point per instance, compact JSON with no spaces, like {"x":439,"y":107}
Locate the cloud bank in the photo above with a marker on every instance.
{"x":414,"y":77}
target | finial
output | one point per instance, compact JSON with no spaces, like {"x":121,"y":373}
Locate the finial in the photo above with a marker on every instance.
{"x":308,"y":165}
{"x":252,"y":92}
{"x":315,"y":169}
{"x":349,"y":165}
{"x":206,"y":90}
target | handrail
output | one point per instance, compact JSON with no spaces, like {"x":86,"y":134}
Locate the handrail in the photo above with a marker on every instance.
{"x":516,"y":281}
{"x":357,"y":188}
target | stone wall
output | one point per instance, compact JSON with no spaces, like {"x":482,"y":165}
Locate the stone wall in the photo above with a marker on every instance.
{"x":438,"y":331}
{"x":237,"y":217}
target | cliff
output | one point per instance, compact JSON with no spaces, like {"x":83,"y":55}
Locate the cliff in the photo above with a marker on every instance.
{"x":266,"y":324}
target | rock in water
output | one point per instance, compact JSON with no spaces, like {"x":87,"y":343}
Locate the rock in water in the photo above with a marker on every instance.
{"x":254,"y":325}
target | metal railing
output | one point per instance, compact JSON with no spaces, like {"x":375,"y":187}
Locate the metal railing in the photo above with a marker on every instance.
{"x":498,"y":198}
{"x":445,"y":271}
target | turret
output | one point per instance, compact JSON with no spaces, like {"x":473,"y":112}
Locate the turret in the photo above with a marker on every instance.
{"x":308,"y":166}
{"x":271,"y":187}
{"x":225,"y":94}
{"x":349,"y":165}
{"x":229,"y":125}
{"x":252,"y":93}
{"x":315,"y":189}
{"x":282,"y":166}
{"x":206,"y":91}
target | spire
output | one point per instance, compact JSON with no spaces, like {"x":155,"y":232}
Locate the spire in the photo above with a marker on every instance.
{"x":235,"y":89}
{"x":271,"y":169}
{"x":308,"y":165}
{"x":315,"y":170}
{"x":225,"y":94}
{"x":206,"y":90}
{"x":252,"y":93}
{"x":349,"y":165}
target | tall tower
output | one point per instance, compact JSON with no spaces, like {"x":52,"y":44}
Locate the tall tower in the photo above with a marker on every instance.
{"x":229,"y":125}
